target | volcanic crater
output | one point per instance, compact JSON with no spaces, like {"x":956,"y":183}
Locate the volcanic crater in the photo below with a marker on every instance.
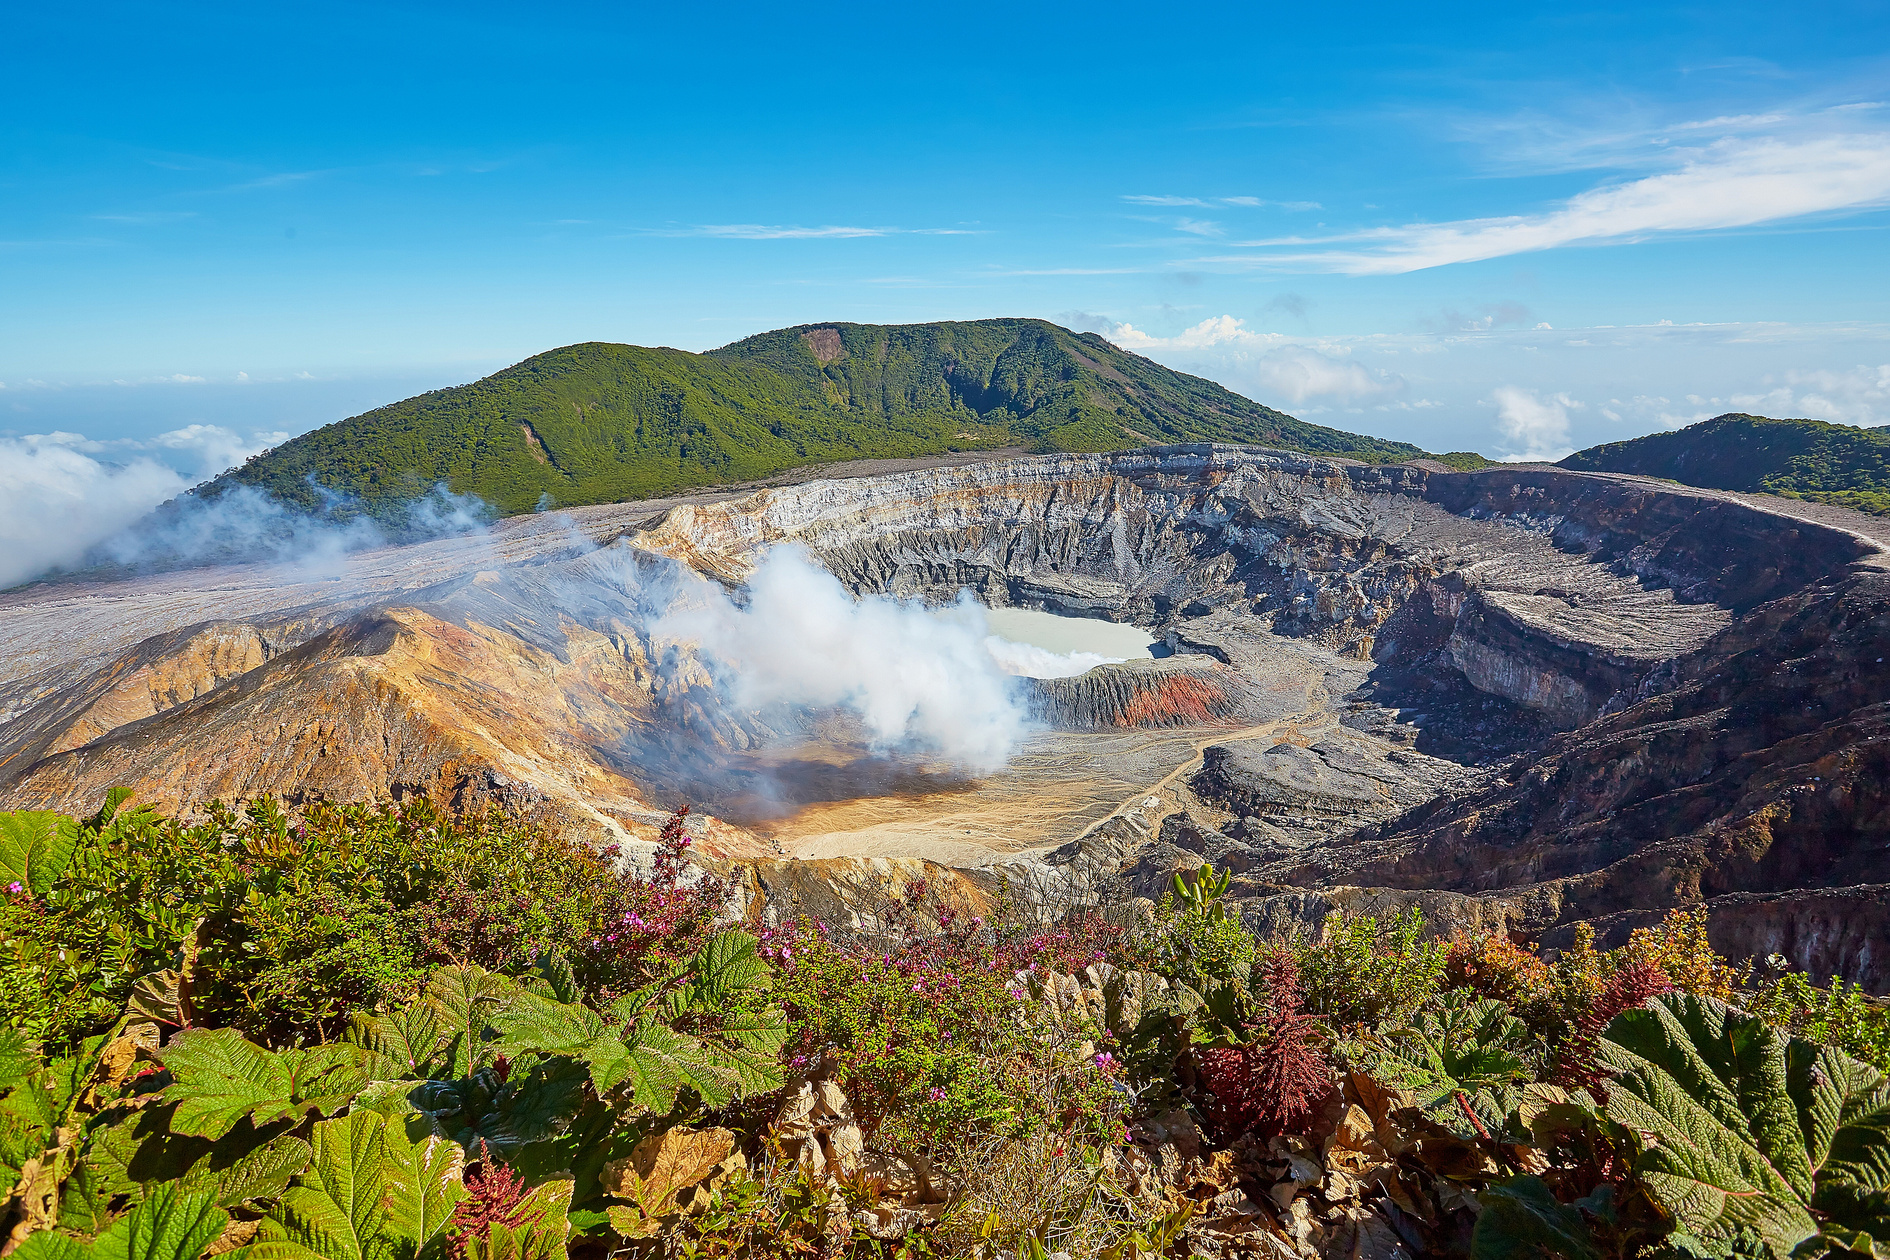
{"x":1521,"y":697}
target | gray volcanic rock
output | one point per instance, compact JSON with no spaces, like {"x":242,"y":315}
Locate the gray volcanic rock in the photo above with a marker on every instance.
{"x":1327,"y":788}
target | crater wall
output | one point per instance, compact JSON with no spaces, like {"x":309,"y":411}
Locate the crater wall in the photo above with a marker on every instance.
{"x":1521,"y":695}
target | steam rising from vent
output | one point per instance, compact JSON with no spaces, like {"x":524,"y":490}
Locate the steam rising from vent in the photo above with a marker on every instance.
{"x":920,"y":680}
{"x":245,"y":525}
{"x":1031,"y":661}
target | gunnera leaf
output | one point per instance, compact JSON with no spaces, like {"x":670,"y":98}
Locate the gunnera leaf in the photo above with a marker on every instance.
{"x":35,"y":847}
{"x":1521,"y":1218}
{"x":1743,"y":1132}
{"x":219,"y":1077}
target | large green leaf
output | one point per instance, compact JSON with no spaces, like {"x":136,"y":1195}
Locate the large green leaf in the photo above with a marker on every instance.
{"x":369,"y":1193}
{"x":424,"y":1183}
{"x":533,"y":1103}
{"x":219,"y":1077}
{"x":169,"y":1223}
{"x":745,"y":1050}
{"x":50,"y":1244}
{"x":464,"y":999}
{"x":1742,"y":1131}
{"x":337,"y":1209}
{"x":18,"y":1056}
{"x":648,"y":1055}
{"x":727,"y":965}
{"x":1844,"y":1108}
{"x":35,"y":846}
{"x":407,"y":1044}
{"x":1461,"y":1056}
{"x":1522,"y":1219}
{"x":531,"y":1022}
{"x":258,"y":1176}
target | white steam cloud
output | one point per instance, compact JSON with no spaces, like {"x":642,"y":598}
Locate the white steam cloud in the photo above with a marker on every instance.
{"x":1027,"y":660}
{"x":919,"y":680}
{"x":245,"y":524}
{"x":57,"y":501}
{"x":935,"y":682}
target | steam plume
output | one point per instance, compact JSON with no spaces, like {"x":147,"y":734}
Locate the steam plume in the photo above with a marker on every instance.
{"x":920,"y":680}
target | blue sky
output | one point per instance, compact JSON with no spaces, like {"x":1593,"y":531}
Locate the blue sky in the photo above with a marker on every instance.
{"x":1512,"y":228}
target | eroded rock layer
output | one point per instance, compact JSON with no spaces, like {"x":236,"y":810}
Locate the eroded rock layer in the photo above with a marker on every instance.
{"x":1521,"y":696}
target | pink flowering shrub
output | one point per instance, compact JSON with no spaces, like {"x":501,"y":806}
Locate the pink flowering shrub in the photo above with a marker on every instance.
{"x":639,"y":923}
{"x":920,"y":1019}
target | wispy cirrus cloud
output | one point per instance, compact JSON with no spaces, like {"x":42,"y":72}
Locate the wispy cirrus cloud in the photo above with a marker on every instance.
{"x":1066,"y":271}
{"x":280,"y":179}
{"x":795,"y":232}
{"x":1212,"y":203}
{"x":1733,"y":182}
{"x":143,"y":217}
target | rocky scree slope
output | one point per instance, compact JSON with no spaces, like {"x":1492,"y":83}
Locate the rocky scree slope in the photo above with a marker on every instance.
{"x":1516,"y":696}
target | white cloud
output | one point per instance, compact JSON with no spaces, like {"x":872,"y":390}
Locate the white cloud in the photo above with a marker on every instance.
{"x":1266,"y":366}
{"x":1733,"y":182}
{"x":62,"y":493}
{"x":217,"y":449}
{"x":779,"y":232}
{"x":765,"y":232}
{"x":1198,"y":227}
{"x":1533,"y":428}
{"x":1209,"y":203}
{"x":1858,"y":396}
{"x":56,"y":501}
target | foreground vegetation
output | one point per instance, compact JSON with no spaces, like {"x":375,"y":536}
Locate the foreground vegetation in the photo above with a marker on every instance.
{"x":393,"y":1033}
{"x":601,"y":423}
{"x":1799,"y":459}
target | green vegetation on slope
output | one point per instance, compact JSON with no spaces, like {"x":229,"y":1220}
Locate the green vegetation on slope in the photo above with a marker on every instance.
{"x":1800,"y":459}
{"x":599,"y":423}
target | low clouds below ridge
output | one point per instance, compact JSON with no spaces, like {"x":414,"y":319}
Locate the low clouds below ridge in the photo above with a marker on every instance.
{"x":57,"y":501}
{"x":1532,"y":428}
{"x":1268,"y":367}
{"x":69,"y":502}
{"x":61,"y":494}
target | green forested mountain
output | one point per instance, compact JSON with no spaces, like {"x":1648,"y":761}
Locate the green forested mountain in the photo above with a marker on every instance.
{"x":597,"y":423}
{"x":1801,"y":459}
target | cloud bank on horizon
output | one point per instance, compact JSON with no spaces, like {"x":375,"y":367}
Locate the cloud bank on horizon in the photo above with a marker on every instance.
{"x":1532,"y":393}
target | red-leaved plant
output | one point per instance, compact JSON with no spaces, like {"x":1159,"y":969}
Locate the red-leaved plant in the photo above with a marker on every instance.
{"x":1276,"y":1081}
{"x":1633,"y":985}
{"x":495,"y":1195}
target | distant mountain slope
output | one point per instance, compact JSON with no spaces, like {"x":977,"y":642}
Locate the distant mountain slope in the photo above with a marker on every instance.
{"x":598,"y":423}
{"x":1801,"y":459}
